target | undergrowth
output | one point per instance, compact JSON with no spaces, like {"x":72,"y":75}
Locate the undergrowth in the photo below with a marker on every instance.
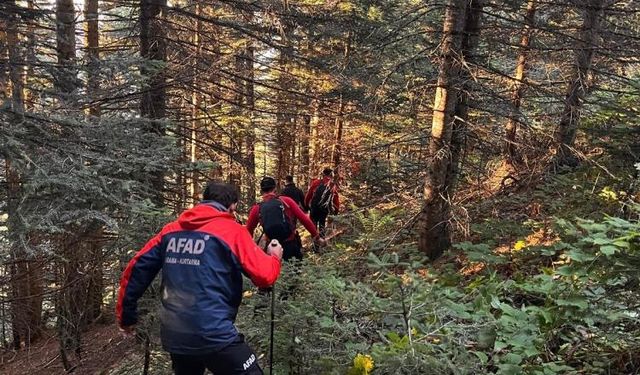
{"x":556,"y":293}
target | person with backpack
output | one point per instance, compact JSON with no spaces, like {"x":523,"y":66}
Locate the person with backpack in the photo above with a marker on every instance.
{"x":202,"y":256}
{"x":278,"y":216}
{"x":322,"y":200}
{"x":292,"y":191}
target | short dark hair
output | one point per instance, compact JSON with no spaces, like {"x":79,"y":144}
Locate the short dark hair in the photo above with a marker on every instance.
{"x":267,"y":184}
{"x":289,"y":179}
{"x":328,"y":172}
{"x":225,"y":194}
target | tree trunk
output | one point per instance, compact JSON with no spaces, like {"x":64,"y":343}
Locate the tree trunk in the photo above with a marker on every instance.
{"x":70,"y":302}
{"x":447,"y":132}
{"x":194,"y":191}
{"x":93,"y":54}
{"x":337,"y":145}
{"x":565,"y":134}
{"x":315,"y":142}
{"x":510,"y":153}
{"x":65,"y":48}
{"x":4,"y":56}
{"x":95,"y":286}
{"x":250,"y":137}
{"x":16,"y":64}
{"x":305,"y":146}
{"x":285,"y":138}
{"x":153,"y":101}
{"x":26,"y":282}
{"x":26,"y":278}
{"x":236,"y":132}
{"x":94,"y":255}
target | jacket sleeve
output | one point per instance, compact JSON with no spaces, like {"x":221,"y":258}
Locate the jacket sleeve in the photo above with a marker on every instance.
{"x":253,"y":220}
{"x":304,"y":219}
{"x":262,"y":269}
{"x":140,"y":272}
{"x":312,"y":189}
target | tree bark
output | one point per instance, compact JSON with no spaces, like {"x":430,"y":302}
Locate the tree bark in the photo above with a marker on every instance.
{"x":153,"y":101}
{"x":236,"y":132}
{"x":65,"y":48}
{"x":194,"y":191}
{"x":250,"y":137}
{"x":4,"y":56}
{"x":93,"y":54}
{"x":337,"y":150}
{"x":16,"y":64}
{"x":285,"y":138}
{"x":586,"y":45}
{"x":510,"y":152}
{"x":461,"y":25}
{"x":315,"y":142}
{"x":94,"y":255}
{"x":305,"y":146}
{"x":26,"y":282}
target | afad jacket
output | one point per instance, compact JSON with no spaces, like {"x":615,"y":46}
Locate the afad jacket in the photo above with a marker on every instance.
{"x":202,"y":256}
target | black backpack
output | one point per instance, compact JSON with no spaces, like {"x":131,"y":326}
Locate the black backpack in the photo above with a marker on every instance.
{"x":322,"y":199}
{"x":274,"y":221}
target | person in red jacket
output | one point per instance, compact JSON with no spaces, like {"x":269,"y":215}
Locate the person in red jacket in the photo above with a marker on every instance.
{"x":202,"y":257}
{"x":322,"y":200}
{"x":281,"y":213}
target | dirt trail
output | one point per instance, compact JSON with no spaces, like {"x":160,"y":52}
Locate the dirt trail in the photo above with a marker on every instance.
{"x":103,"y":348}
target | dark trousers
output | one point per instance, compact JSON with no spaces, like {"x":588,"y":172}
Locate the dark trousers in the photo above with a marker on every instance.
{"x":319,"y":218}
{"x":292,"y":248}
{"x":237,"y":358}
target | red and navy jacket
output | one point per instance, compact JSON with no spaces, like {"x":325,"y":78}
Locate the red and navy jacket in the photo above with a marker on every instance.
{"x":202,"y":256}
{"x":312,"y":189}
{"x":291,"y":209}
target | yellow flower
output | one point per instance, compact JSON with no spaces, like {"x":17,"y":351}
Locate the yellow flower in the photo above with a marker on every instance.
{"x":362,"y":365}
{"x":519,"y":245}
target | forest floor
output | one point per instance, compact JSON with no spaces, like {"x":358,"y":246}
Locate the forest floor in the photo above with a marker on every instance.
{"x":104,"y":348}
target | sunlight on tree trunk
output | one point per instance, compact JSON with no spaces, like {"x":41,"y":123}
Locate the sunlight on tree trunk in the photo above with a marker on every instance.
{"x":510,"y":153}
{"x":587,"y":44}
{"x":461,"y":27}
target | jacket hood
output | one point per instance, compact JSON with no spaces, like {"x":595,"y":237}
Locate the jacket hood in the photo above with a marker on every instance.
{"x":201,"y":214}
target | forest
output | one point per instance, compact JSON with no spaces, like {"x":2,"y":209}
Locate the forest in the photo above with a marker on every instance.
{"x":486,"y":154}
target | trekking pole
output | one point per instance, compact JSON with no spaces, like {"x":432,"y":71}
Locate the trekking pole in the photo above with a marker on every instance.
{"x":272,"y":317}
{"x":273,"y":303}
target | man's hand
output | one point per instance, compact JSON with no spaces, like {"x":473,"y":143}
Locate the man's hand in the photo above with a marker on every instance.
{"x":275,"y":249}
{"x":320,"y":241}
{"x":127,"y":331}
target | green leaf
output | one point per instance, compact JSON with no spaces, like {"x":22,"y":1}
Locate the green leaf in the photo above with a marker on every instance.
{"x":601,"y":240}
{"x":486,"y":337}
{"x":565,"y":271}
{"x":576,"y":301}
{"x":499,"y":345}
{"x":326,"y":322}
{"x":482,"y":357}
{"x":509,"y":369}
{"x":580,"y":256}
{"x":608,"y":250}
{"x":512,"y":358}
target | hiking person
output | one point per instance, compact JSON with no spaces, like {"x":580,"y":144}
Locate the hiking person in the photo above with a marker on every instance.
{"x":278,"y":216}
{"x":292,"y":191}
{"x":202,"y":256}
{"x":322,"y":200}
